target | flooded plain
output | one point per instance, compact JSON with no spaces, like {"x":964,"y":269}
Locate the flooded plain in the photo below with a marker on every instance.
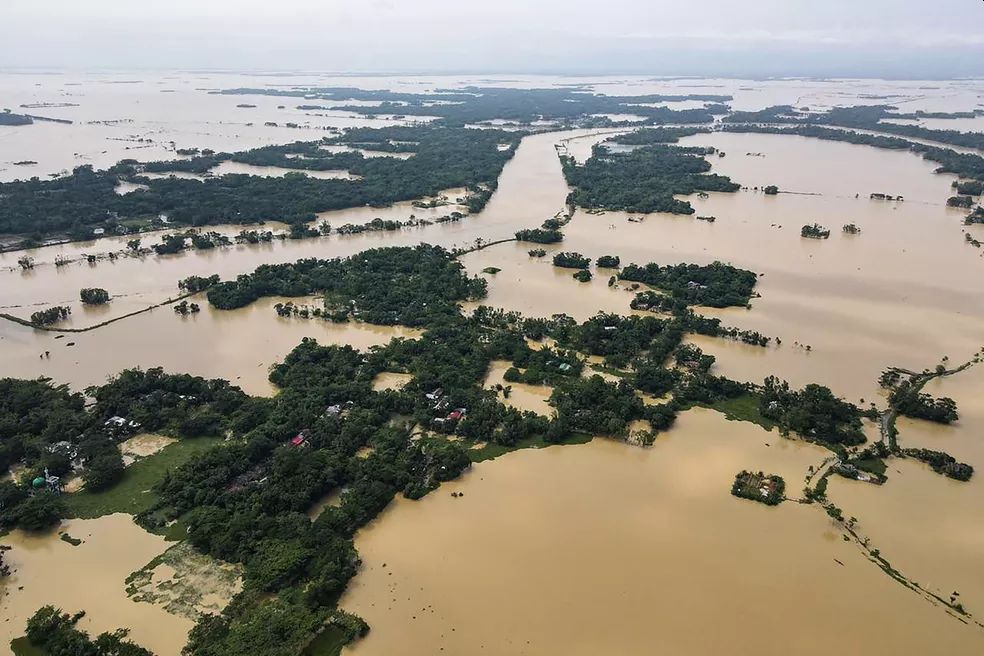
{"x":608,"y":548}
{"x":599,"y":548}
{"x":90,"y":576}
{"x":237,"y":345}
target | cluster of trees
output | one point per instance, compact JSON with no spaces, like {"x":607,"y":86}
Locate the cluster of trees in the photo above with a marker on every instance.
{"x":649,"y":136}
{"x":184,"y":307}
{"x":965,"y":165}
{"x":922,"y":406}
{"x":942,"y":463}
{"x":94,"y":296}
{"x":399,"y":285}
{"x":582,"y":276}
{"x":50,"y":315}
{"x":862,"y":117}
{"x":571,"y":260}
{"x":195,"y":284}
{"x":544,"y":366}
{"x":769,"y":490}
{"x":444,"y":157}
{"x":969,"y":187}
{"x":481,"y":104}
{"x":55,"y":633}
{"x":609,"y":261}
{"x":812,"y":412}
{"x":814,"y":231}
{"x":960,"y":201}
{"x":714,"y":285}
{"x":48,"y":427}
{"x":642,"y":180}
{"x":540,"y":235}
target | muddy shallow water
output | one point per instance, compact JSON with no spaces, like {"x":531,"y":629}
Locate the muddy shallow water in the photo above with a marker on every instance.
{"x":608,"y":548}
{"x":90,"y":577}
{"x":601,"y":548}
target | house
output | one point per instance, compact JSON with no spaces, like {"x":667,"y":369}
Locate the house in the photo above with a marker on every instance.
{"x":333,"y":410}
{"x":63,"y":448}
{"x":564,"y":367}
{"x":117,"y":426}
{"x":443,"y":404}
{"x":99,"y":231}
{"x":298,"y":440}
{"x":435,"y":395}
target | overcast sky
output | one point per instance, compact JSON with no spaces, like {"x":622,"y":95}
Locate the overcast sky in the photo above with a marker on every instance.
{"x":898,"y":38}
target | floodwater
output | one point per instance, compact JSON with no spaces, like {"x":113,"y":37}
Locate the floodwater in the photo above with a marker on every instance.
{"x":653,"y":556}
{"x":532,"y":560}
{"x":238,"y":345}
{"x":522,"y":396}
{"x":90,"y":577}
{"x":390,"y":380}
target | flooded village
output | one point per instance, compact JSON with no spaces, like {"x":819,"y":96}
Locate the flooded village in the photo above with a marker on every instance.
{"x":475,"y":452}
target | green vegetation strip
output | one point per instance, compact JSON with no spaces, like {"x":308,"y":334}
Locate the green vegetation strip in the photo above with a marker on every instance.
{"x":134,"y":493}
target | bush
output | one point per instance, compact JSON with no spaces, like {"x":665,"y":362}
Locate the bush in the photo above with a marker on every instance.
{"x":94,"y":296}
{"x":571,"y":260}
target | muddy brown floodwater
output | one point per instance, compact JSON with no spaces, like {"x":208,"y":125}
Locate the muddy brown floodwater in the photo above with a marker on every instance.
{"x":599,"y":548}
{"x":608,"y":548}
{"x":238,"y":345}
{"x":90,"y":577}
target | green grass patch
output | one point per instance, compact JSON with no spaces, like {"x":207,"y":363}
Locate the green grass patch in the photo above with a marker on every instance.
{"x":871,"y":465}
{"x":490,"y":450}
{"x":327,"y":643}
{"x":134,"y":493}
{"x":24,"y":647}
{"x":743,"y":408}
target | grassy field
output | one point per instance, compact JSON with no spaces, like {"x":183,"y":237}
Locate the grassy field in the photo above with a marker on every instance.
{"x":743,"y":408}
{"x":490,"y":451}
{"x":134,"y":493}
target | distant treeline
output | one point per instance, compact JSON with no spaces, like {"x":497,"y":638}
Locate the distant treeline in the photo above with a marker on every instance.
{"x":862,"y":117}
{"x":965,"y":165}
{"x":443,"y":158}
{"x":479,"y":104}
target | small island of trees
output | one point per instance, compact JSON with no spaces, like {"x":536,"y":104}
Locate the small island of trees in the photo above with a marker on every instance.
{"x":942,"y":463}
{"x":50,"y":315}
{"x":571,"y":260}
{"x":609,"y":261}
{"x":814,"y":231}
{"x":94,"y":296}
{"x":582,"y":276}
{"x":768,"y":489}
{"x":771,"y":190}
{"x":540,"y":236}
{"x":644,"y":180}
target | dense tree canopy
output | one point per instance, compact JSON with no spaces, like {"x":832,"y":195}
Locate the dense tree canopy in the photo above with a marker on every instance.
{"x":642,"y":180}
{"x":410,"y":286}
{"x":443,"y":158}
